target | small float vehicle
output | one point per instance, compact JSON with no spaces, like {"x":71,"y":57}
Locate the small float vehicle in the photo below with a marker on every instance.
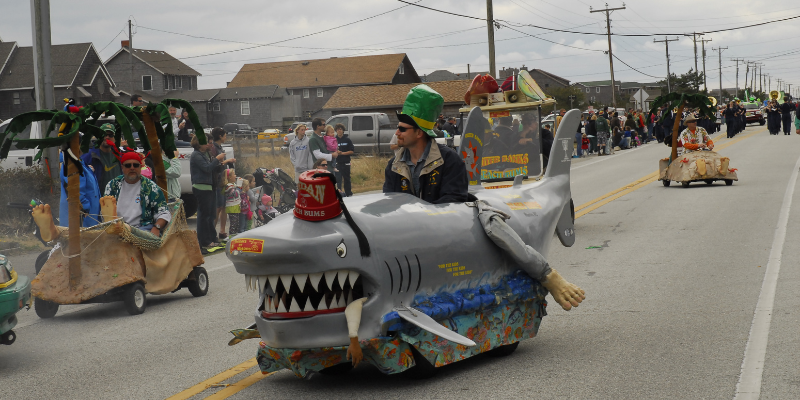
{"x":330,"y":280}
{"x":120,"y":263}
{"x":698,"y":162}
{"x":696,"y":166}
{"x":15,"y":294}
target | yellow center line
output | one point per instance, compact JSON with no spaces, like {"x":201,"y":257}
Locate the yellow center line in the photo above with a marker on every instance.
{"x":215,"y":380}
{"x":586,"y":208}
{"x":238,"y":386}
{"x":242,"y":384}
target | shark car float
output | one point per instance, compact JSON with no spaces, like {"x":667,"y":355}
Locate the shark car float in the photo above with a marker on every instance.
{"x":431,"y":286}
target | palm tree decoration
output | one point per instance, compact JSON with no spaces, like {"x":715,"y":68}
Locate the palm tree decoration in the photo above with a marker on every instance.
{"x":679,"y":100}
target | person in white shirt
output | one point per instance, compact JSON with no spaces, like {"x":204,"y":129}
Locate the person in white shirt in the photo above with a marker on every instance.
{"x":300,"y":152}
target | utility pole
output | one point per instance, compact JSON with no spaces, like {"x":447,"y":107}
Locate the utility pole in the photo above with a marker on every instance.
{"x":705,"y":81}
{"x":746,"y":75}
{"x":737,"y":75}
{"x":490,"y":25}
{"x":608,"y":12}
{"x":694,"y":39}
{"x":779,"y":84}
{"x":666,"y":42}
{"x":43,"y":73}
{"x":719,"y":52}
{"x":130,"y":54}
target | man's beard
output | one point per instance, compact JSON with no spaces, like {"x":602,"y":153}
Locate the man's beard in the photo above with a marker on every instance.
{"x":132,"y":178}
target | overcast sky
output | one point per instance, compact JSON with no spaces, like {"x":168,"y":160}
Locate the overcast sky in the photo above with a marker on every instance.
{"x":432,"y":40}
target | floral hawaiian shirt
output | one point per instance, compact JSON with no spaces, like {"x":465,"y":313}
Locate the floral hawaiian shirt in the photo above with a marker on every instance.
{"x":152,"y":199}
{"x":699,"y":136}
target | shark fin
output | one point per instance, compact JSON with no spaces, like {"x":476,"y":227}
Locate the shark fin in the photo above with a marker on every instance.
{"x":427,"y":323}
{"x":561,"y":152}
{"x":565,"y":228}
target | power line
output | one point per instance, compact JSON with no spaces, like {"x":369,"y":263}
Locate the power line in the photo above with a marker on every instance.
{"x":112,"y":40}
{"x":598,"y":33}
{"x":620,"y":60}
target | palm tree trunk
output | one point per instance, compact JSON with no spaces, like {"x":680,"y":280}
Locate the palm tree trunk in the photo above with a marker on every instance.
{"x":675,"y":127}
{"x":74,"y":204}
{"x":159,"y":173}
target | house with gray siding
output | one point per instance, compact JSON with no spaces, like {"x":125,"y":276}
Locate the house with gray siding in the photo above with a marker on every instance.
{"x":77,"y":69}
{"x":155,"y":73}
{"x":544,"y":79}
{"x":316,"y":81}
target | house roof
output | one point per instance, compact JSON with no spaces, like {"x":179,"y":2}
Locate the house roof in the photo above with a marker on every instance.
{"x":66,"y":61}
{"x":191,"y":96}
{"x":250,"y":92}
{"x":392,"y":95}
{"x":5,"y":52}
{"x":606,"y":82}
{"x":556,"y":77}
{"x":636,"y":85}
{"x":445,"y":75}
{"x":162,"y":61}
{"x":345,"y":71}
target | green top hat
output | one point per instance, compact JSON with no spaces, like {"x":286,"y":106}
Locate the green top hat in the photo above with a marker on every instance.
{"x":421,"y":108}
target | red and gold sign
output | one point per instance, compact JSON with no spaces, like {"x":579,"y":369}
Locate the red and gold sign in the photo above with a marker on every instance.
{"x":247,"y":245}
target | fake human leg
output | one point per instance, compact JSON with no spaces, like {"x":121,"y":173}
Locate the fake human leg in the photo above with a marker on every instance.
{"x":108,"y":208}
{"x":353,"y":316}
{"x":531,"y":261}
{"x":44,"y":220}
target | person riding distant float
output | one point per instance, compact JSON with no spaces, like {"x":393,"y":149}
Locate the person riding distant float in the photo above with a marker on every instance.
{"x":421,"y":167}
{"x":694,"y":138}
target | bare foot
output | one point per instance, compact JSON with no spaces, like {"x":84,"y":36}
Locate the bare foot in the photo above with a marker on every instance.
{"x":563,"y":292}
{"x":44,"y":220}
{"x":108,"y":208}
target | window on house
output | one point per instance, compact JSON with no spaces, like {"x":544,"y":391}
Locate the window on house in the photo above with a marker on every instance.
{"x":147,"y":82}
{"x":166,"y":82}
{"x":216,"y":106}
{"x":597,"y":89}
{"x":16,"y":97}
{"x":245,"y":105}
{"x":588,"y":90}
{"x":180,"y":81}
{"x":306,"y":94}
{"x":191,"y":83}
{"x":319,"y":92}
{"x":402,"y":69}
{"x":546,"y":85}
{"x":208,"y":106}
{"x":172,"y":84}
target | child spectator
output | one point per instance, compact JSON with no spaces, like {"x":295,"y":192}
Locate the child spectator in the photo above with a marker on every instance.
{"x":266,"y":212}
{"x":332,"y":145}
{"x":626,"y":140}
{"x":253,"y":194}
{"x":233,"y":200}
{"x":584,"y":144}
{"x":245,"y":215}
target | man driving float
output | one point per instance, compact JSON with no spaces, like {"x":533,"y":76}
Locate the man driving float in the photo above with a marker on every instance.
{"x":694,"y":138}
{"x":422,"y":167}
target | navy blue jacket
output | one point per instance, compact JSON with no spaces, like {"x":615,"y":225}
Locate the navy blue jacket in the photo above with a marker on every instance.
{"x":443,"y":179}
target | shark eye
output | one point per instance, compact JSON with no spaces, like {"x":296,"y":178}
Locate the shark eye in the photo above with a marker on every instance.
{"x":341,"y":249}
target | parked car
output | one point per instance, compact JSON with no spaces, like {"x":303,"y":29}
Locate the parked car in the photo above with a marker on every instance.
{"x":271,"y":134}
{"x":296,"y":123}
{"x":20,"y":157}
{"x":366,"y":130}
{"x":235,"y":128}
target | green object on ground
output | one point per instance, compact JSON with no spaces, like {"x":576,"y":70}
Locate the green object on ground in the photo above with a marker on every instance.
{"x":594,"y":247}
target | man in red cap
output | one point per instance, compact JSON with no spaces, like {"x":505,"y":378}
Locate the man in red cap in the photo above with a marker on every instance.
{"x":138,"y":200}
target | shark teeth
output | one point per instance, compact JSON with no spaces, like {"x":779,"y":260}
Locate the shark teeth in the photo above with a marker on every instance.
{"x":318,"y":292}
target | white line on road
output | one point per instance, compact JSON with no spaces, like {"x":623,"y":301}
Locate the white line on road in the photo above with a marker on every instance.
{"x":749,"y":385}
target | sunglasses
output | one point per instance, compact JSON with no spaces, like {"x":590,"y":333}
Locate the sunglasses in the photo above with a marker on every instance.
{"x":323,"y":165}
{"x":132,"y":165}
{"x":403,"y":128}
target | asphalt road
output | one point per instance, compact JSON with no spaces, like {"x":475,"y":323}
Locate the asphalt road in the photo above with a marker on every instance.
{"x":671,"y":295}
